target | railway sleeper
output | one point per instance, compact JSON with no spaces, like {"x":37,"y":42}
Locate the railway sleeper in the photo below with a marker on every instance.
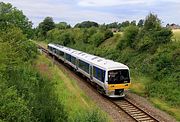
{"x":142,"y":116}
{"x":144,"y":119}
{"x":149,"y":121}
{"x":125,"y":105}
{"x":135,"y":110}
{"x":138,"y":114}
{"x":130,"y":108}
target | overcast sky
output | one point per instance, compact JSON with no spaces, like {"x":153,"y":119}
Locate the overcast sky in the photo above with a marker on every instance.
{"x":101,"y":11}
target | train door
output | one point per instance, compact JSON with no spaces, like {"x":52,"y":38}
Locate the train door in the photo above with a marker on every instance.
{"x":77,"y":63}
{"x":91,"y":72}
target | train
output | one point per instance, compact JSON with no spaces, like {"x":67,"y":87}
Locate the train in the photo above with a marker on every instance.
{"x":111,"y":78}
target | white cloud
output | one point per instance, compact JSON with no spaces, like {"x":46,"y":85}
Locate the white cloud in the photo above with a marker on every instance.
{"x":101,"y":11}
{"x":38,"y":10}
{"x":103,"y":3}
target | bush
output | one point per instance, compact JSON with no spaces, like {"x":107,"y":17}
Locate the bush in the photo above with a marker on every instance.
{"x":129,"y":37}
{"x":108,"y":34}
{"x":96,"y":39}
{"x":13,"y":107}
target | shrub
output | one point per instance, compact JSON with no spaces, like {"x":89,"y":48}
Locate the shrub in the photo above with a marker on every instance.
{"x":13,"y":107}
{"x":108,"y":34}
{"x":96,"y":39}
{"x":129,"y":37}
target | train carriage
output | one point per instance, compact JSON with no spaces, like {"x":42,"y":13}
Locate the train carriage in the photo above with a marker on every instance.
{"x":112,"y":78}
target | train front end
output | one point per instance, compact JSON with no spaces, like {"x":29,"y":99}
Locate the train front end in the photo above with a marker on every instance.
{"x":118,"y":81}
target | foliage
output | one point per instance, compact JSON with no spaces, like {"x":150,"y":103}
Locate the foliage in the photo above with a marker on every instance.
{"x":11,"y":16}
{"x":25,"y":95}
{"x":151,"y":51}
{"x":113,"y":25}
{"x":45,"y":26}
{"x":108,"y":34}
{"x":91,"y":116}
{"x":62,"y":25}
{"x":176,"y":35}
{"x":129,"y":37}
{"x":86,"y":24}
{"x":96,"y":39}
{"x":12,"y":107}
{"x":140,"y":23}
{"x":152,"y":23}
{"x":152,"y":34}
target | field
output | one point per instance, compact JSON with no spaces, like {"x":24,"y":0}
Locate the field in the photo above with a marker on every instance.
{"x":82,"y":107}
{"x":176,"y":35}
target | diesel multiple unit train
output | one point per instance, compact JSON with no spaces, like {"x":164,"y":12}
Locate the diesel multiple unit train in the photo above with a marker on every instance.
{"x":111,"y":78}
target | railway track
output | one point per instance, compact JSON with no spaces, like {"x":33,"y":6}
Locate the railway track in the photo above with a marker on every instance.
{"x":133,"y":111}
{"x":125,"y":105}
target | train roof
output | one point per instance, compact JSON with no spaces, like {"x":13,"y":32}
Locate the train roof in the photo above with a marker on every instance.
{"x":96,"y":60}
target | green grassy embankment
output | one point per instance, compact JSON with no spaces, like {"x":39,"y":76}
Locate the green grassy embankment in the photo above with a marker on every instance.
{"x":78,"y":106}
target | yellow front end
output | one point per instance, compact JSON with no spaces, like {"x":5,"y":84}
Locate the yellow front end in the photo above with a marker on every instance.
{"x":117,"y":90}
{"x":119,"y":86}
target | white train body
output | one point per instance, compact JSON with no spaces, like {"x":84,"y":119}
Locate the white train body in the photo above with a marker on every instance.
{"x":111,"y":77}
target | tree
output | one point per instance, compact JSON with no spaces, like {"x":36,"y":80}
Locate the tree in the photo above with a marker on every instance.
{"x":112,"y":25}
{"x":86,"y":24}
{"x":140,"y":23}
{"x":46,"y":25}
{"x":133,"y":22}
{"x":108,"y":34}
{"x":96,"y":39}
{"x":129,"y":37}
{"x":62,"y":25}
{"x":152,"y":34}
{"x":152,"y":22}
{"x":125,"y":24}
{"x":11,"y":16}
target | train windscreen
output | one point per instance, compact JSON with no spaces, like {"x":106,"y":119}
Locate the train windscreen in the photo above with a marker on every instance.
{"x":118,"y":76}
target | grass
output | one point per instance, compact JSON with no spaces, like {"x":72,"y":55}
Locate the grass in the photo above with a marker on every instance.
{"x":176,"y":35}
{"x":41,"y":43}
{"x":77,"y":104}
{"x":138,"y":86}
{"x":111,"y":42}
{"x":174,"y":111}
{"x":139,"y":82}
